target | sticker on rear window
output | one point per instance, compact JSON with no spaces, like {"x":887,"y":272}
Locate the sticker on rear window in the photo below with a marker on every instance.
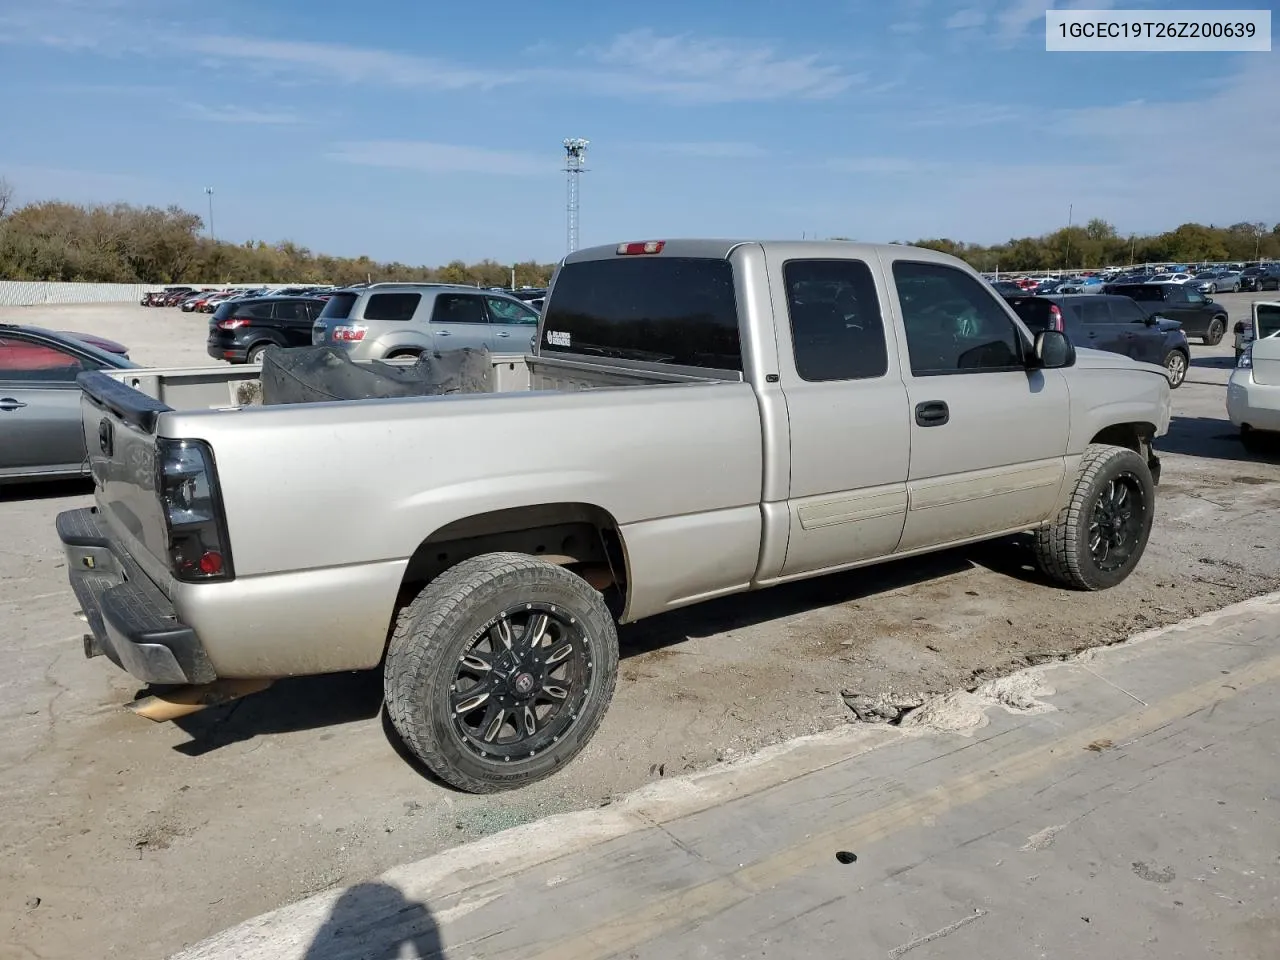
{"x":558,"y":338}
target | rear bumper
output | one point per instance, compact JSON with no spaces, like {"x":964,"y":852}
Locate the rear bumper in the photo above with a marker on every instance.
{"x":229,"y":352}
{"x":1251,"y":404}
{"x":131,"y":619}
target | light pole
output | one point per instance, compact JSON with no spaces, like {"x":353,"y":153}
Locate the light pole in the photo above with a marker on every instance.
{"x":1071,"y":209}
{"x":209,"y":191}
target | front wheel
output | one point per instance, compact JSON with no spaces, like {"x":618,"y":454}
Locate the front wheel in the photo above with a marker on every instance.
{"x":1099,"y":536}
{"x":1176,"y":364}
{"x":500,"y":670}
{"x":1217,"y":329}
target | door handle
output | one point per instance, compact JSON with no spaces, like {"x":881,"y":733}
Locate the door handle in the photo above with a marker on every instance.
{"x":442,"y":333}
{"x":504,"y":334}
{"x":932,"y":413}
{"x":9,"y":403}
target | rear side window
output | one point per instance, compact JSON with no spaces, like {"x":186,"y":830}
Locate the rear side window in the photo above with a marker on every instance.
{"x":676,"y":310}
{"x":1268,"y":321}
{"x":458,"y":308}
{"x":1140,"y":292}
{"x":338,"y":307}
{"x":259,"y":311}
{"x":1094,"y":311}
{"x":224,"y":310}
{"x":392,"y":306}
{"x":836,"y":328}
{"x":291,"y":310}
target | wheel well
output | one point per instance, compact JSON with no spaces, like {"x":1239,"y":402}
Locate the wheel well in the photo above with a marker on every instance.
{"x":404,"y":352}
{"x":582,"y":537}
{"x":1136,"y":436}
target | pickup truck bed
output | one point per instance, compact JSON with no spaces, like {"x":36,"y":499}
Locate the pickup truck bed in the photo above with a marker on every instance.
{"x":699,"y":418}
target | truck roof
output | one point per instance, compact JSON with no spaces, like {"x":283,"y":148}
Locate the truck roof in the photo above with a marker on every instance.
{"x":721,"y":248}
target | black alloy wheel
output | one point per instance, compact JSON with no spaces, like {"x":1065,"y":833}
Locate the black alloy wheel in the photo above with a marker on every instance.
{"x":520,"y":683}
{"x":1115,"y":526}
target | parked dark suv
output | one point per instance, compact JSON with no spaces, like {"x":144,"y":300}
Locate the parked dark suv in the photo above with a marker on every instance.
{"x":1116,"y":324}
{"x":1199,"y":315}
{"x":1265,"y":276}
{"x":240,"y":331}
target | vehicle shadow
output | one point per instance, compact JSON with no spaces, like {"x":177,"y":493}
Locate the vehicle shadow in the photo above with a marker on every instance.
{"x":1214,"y":363}
{"x":1009,"y":556}
{"x":375,"y":921}
{"x":1212,"y":439}
{"x":47,"y":489}
{"x":288,"y":706}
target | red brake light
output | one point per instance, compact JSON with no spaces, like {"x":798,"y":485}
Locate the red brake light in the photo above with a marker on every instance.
{"x":646,"y":246}
{"x":211,"y":563}
{"x":1055,"y":319}
{"x":348,"y":334}
{"x":234,"y":324}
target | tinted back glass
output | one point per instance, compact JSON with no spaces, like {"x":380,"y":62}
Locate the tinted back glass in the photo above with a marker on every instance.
{"x":1143,"y":292}
{"x":1033,"y":312}
{"x":675,"y":310}
{"x":392,"y":306}
{"x":339,"y":306}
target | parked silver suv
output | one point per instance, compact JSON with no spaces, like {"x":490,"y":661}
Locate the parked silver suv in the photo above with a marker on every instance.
{"x":388,"y":320}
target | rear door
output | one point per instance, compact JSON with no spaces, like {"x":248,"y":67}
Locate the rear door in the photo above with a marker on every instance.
{"x":459,"y":320}
{"x":512,"y":325}
{"x":292,"y":322}
{"x":988,"y":433}
{"x":1099,"y":330}
{"x":847,"y":405}
{"x":40,"y":429}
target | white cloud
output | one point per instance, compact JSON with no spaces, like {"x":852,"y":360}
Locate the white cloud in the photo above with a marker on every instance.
{"x":346,"y":63}
{"x":713,"y":70}
{"x":716,"y":149}
{"x":967,"y":18}
{"x":1116,"y":178}
{"x":245,"y":115}
{"x":428,"y":157}
{"x":639,"y":63}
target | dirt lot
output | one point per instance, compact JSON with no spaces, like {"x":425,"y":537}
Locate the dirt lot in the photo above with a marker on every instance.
{"x":125,"y":838}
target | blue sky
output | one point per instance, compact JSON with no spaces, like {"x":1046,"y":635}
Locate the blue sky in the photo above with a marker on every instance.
{"x":427,"y":131}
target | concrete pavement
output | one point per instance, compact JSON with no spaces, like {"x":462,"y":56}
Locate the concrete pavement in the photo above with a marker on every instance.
{"x":1125,"y":803}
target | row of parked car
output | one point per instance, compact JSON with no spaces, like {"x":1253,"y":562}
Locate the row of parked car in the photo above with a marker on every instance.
{"x":1254,"y":277}
{"x":380,"y":321}
{"x":206,"y":300}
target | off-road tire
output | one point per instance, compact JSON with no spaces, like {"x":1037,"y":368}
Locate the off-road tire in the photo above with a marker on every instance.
{"x":1217,"y":330}
{"x":1062,"y":548}
{"x":436,"y":627}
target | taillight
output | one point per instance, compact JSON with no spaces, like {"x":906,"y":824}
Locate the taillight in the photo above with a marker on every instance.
{"x":345,"y":334}
{"x":234,"y":324}
{"x":188,"y":488}
{"x":1055,"y":319}
{"x":647,"y":246}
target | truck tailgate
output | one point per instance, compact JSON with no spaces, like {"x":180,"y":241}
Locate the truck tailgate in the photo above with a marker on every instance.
{"x":120,"y":437}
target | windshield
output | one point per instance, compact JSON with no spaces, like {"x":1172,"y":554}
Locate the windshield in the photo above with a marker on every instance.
{"x":672,"y":310}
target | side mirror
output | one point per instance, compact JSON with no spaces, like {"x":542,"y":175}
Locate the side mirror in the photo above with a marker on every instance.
{"x":1151,"y":319}
{"x":1208,"y":299}
{"x":1052,"y":350}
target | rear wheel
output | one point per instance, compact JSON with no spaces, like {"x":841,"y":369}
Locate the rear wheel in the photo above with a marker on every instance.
{"x":500,"y":671}
{"x":1176,"y":364}
{"x":1099,"y":536}
{"x":1217,"y":329}
{"x":256,"y":352}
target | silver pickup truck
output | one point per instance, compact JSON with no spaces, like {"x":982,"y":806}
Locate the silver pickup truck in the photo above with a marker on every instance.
{"x":699,"y":418}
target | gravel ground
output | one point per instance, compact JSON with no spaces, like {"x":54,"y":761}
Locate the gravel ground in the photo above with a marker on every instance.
{"x":126,"y":838}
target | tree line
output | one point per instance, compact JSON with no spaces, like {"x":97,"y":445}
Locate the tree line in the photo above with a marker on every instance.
{"x":121,"y":243}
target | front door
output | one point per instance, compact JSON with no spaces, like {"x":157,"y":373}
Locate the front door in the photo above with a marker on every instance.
{"x":512,"y":325}
{"x":1145,"y":339}
{"x":459,"y":320}
{"x":40,"y":425}
{"x":848,"y":412}
{"x":988,"y":434}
